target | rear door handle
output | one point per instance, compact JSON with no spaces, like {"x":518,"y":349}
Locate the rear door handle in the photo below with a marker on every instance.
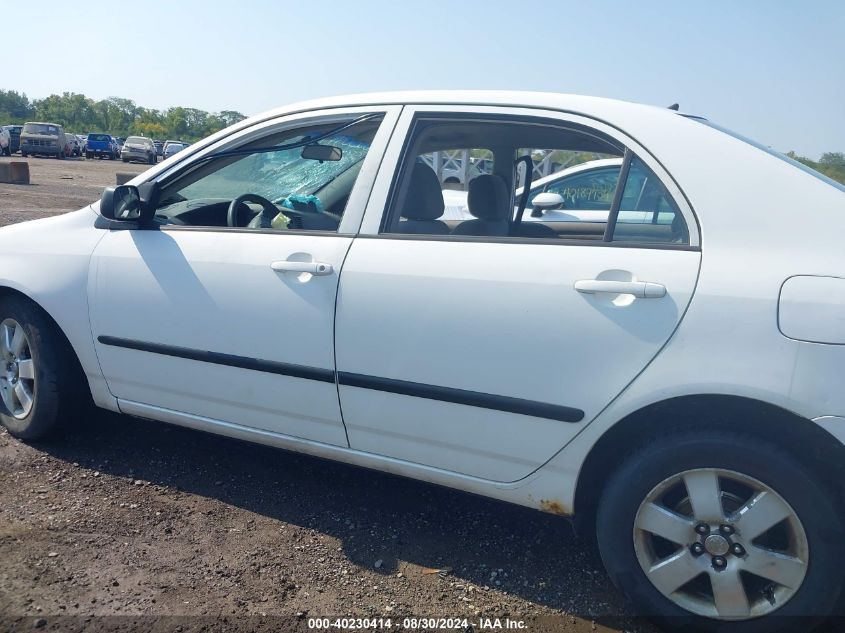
{"x":315,"y":268}
{"x":640,"y":289}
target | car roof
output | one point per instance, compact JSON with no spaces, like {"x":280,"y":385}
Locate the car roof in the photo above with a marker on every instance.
{"x":546,"y":100}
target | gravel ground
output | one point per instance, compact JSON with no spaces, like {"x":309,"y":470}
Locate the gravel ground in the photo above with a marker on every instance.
{"x":58,"y":186}
{"x":123,"y":519}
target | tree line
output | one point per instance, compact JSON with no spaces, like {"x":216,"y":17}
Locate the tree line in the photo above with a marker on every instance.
{"x":831,"y":164}
{"x":121,"y":117}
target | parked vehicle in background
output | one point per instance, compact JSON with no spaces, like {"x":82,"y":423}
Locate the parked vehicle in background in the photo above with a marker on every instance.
{"x":72,"y":147}
{"x":171,"y":148}
{"x":581,"y":193}
{"x":120,"y":141}
{"x":43,"y":139}
{"x":5,"y":142}
{"x":15,"y":136}
{"x":82,"y":138}
{"x":159,"y":145}
{"x":101,"y":146}
{"x":139,"y":148}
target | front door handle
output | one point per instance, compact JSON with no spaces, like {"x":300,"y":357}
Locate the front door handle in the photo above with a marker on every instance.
{"x":640,"y":289}
{"x":315,"y":268}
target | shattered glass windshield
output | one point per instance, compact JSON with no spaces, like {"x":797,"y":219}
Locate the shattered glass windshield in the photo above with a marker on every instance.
{"x":277,"y":175}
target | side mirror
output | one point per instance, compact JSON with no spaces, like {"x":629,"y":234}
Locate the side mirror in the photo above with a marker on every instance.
{"x":122,"y":203}
{"x":545,"y":201}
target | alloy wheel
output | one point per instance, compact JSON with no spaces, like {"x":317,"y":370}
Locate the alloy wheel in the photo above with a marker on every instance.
{"x":17,"y":378}
{"x":720,"y":544}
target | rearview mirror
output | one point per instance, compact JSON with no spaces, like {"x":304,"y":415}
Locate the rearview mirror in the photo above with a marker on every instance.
{"x":322,"y":152}
{"x":122,"y":203}
{"x":545,"y":201}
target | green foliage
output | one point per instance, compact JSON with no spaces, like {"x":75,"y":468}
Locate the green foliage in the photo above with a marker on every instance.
{"x":15,"y":107}
{"x":120,"y":117}
{"x":831,"y":164}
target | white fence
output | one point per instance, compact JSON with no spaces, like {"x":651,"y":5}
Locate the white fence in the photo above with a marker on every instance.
{"x":455,"y":168}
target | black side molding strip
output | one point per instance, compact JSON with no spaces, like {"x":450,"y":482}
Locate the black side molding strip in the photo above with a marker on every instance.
{"x":230,"y":360}
{"x":390,"y":385}
{"x":462,"y":396}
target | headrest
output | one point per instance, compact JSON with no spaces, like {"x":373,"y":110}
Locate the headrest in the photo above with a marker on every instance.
{"x":424,"y":200}
{"x":488,"y":197}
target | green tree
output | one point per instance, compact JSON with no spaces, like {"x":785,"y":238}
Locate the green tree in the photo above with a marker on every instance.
{"x":15,"y":107}
{"x":831,"y":164}
{"x":229,"y":117}
{"x":114,"y":115}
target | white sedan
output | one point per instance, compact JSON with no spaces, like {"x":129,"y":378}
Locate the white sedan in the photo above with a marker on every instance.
{"x":673,"y":384}
{"x":581,"y":193}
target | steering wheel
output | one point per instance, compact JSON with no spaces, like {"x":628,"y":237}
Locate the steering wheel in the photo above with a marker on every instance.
{"x":260,"y":221}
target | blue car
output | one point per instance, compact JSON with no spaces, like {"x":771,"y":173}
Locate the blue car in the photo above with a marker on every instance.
{"x":101,"y":146}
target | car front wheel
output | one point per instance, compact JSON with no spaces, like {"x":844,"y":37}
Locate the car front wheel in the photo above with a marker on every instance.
{"x":40,"y":381}
{"x":722,"y":531}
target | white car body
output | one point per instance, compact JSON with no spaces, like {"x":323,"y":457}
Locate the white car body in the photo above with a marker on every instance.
{"x":5,"y":140}
{"x":420,"y":311}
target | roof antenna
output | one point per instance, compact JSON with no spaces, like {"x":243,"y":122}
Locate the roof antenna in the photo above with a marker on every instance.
{"x":674,"y":107}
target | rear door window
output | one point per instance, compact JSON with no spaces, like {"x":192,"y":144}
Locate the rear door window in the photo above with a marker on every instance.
{"x":647,"y":212}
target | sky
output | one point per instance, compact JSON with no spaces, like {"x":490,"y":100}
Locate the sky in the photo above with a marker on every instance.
{"x":773,"y":70}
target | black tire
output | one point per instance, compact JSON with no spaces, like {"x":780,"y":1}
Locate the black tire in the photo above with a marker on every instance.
{"x":24,"y":154}
{"x":60,"y":391}
{"x":821,"y":518}
{"x":125,"y":160}
{"x":60,"y":156}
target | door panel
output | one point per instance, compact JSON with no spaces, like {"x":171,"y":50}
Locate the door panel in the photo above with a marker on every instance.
{"x":493,"y":320}
{"x":217,"y":332}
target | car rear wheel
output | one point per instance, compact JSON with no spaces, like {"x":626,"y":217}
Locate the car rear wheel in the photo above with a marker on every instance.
{"x":720,"y":531}
{"x":40,"y":380}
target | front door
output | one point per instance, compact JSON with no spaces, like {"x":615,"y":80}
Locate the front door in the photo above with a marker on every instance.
{"x":224,"y":311}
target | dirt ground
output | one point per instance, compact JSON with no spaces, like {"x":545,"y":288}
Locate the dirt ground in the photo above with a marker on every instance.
{"x":58,"y":186}
{"x":126,"y":524}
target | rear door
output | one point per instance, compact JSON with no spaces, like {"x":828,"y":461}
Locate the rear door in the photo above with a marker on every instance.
{"x":485,"y":355}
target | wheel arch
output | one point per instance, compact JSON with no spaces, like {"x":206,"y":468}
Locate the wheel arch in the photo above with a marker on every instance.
{"x":9,"y":291}
{"x":813,"y":445}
